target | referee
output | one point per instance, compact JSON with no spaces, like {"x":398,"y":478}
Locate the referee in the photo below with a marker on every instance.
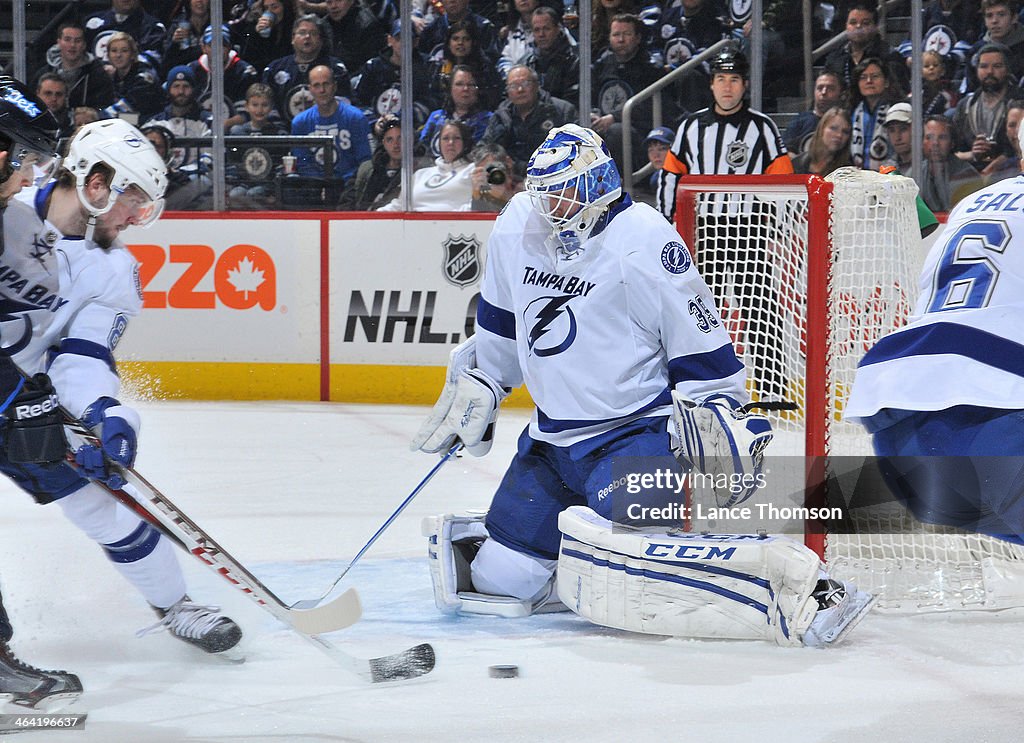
{"x":733,"y":232}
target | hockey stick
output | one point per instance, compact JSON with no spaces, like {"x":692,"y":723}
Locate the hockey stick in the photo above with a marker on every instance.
{"x":310,"y":603}
{"x":155,"y":508}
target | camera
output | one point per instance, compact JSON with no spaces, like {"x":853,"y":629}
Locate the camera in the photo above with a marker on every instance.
{"x":496,"y":173}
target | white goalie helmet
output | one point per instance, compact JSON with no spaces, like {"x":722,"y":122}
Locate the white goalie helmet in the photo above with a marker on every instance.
{"x":134,"y":161}
{"x":572,"y":179}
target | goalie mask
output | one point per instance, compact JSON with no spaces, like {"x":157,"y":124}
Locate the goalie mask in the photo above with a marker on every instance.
{"x":30,"y":130}
{"x":139,"y":174}
{"x":572,"y":179}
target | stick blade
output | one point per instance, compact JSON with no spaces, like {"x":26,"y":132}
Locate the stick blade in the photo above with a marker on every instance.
{"x":409,"y":664}
{"x":342,"y":612}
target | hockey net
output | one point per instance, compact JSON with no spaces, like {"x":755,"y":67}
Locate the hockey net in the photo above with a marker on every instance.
{"x":808,"y":274}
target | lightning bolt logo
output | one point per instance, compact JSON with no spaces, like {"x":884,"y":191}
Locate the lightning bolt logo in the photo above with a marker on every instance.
{"x":10,"y":310}
{"x":547,"y":318}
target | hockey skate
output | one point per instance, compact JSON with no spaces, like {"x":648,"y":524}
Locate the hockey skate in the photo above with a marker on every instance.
{"x":840,"y":608}
{"x":202,"y":626}
{"x":24,"y":686}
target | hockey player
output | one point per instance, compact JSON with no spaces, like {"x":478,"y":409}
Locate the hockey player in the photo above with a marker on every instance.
{"x":942,"y":396}
{"x":74,"y":286}
{"x":594,"y":303}
{"x":31,"y":429}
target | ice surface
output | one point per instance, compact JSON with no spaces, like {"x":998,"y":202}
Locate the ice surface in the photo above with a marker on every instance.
{"x":293,"y":490}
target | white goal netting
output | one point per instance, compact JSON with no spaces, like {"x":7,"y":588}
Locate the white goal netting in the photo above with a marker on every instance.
{"x":807,"y":278}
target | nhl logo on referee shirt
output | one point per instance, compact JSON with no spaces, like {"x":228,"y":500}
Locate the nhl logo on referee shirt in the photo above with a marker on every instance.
{"x":461,"y":260}
{"x":736,"y":154}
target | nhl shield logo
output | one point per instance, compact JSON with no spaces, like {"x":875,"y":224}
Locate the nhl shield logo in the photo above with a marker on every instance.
{"x":736,"y":154}
{"x":462,"y":259}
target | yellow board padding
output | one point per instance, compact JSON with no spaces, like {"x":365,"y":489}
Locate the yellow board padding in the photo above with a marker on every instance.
{"x":189,"y":380}
{"x":370,"y":383}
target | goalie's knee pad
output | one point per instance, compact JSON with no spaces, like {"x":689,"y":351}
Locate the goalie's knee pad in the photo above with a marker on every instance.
{"x":454,"y":541}
{"x":688,"y":585}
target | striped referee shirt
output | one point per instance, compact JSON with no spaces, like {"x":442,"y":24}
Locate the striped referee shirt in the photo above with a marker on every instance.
{"x":743,"y":143}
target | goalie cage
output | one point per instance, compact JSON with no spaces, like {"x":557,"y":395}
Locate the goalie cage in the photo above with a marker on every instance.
{"x":841,"y":257}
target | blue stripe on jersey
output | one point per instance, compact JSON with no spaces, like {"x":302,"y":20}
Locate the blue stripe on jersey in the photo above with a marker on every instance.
{"x":669,"y":578}
{"x":614,"y":210}
{"x":949,"y":338}
{"x":718,"y":364}
{"x":496,"y":320}
{"x":81,"y":347}
{"x":553,"y":425}
{"x":41,"y":197}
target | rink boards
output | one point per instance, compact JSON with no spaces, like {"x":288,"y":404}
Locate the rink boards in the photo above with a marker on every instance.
{"x":302,"y":306}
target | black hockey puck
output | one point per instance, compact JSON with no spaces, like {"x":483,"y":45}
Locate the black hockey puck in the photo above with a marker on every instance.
{"x":503,"y":672}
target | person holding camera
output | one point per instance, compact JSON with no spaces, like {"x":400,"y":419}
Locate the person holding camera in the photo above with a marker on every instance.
{"x":979,"y":122}
{"x":495,"y":181}
{"x":446,"y":186}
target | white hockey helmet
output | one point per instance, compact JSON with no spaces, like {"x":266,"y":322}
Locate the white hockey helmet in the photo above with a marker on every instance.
{"x":134,"y":161}
{"x":572,"y":179}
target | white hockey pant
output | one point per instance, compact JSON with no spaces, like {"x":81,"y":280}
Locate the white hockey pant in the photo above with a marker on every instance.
{"x":136,"y":549}
{"x":732,"y":586}
{"x":473,"y":574}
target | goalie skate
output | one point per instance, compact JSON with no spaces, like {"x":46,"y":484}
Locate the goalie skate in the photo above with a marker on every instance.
{"x":840,"y":608}
{"x":202,"y":626}
{"x":23,"y":686}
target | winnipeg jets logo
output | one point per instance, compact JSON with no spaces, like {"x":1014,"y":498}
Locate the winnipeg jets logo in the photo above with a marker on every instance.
{"x":552,"y":325}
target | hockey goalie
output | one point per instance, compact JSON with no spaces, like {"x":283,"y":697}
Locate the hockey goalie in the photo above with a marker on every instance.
{"x":595,"y":304}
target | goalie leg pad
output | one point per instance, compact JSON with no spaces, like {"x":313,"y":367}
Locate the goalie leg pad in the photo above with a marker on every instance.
{"x":687,"y":585}
{"x":454,"y":542}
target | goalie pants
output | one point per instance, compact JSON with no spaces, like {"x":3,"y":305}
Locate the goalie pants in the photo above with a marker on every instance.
{"x":543,"y":480}
{"x":137,"y":549}
{"x":962,"y":467}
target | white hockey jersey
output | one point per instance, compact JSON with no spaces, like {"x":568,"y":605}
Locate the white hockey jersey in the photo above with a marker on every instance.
{"x":964,"y":343}
{"x":601,"y":339}
{"x":67,"y":304}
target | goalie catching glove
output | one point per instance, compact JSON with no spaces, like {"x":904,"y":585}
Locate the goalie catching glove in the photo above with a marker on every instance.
{"x":467,"y":409}
{"x":116,"y":426}
{"x":720,"y":439}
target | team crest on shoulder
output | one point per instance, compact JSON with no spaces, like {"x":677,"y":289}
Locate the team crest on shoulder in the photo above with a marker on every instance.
{"x":675,"y":258}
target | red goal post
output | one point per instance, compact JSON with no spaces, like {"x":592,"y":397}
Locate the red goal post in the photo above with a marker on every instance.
{"x":808,"y":274}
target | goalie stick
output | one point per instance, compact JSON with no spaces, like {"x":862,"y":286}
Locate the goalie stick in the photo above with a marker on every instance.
{"x":310,"y":603}
{"x":155,"y":508}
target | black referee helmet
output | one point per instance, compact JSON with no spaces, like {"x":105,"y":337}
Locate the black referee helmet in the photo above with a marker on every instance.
{"x":730,"y":60}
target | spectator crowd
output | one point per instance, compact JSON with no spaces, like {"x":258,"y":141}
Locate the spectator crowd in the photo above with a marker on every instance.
{"x":490,"y":79}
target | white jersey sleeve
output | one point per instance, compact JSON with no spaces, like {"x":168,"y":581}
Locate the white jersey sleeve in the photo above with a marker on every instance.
{"x":104,"y":291}
{"x":497,"y":353}
{"x":964,"y":343}
{"x":672,"y":304}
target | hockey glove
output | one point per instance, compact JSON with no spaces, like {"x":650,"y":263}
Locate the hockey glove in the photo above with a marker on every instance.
{"x":466,"y":411}
{"x":719,"y":439}
{"x":35,"y":432}
{"x":116,"y":426}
